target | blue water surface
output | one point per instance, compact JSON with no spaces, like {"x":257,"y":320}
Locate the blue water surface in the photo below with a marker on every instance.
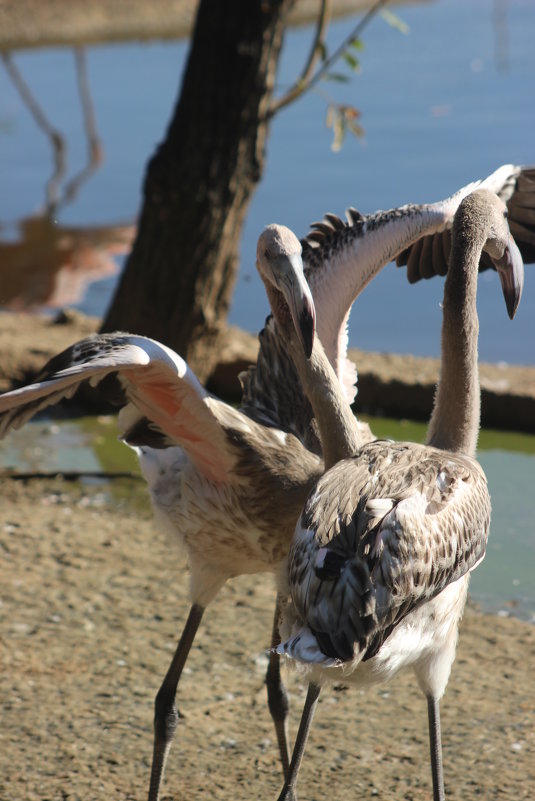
{"x":442,"y":105}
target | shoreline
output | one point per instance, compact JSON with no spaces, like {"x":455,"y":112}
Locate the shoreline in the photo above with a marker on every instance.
{"x":389,"y":385}
{"x":55,"y":23}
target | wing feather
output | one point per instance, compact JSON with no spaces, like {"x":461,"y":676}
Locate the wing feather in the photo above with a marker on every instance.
{"x":156,"y":382}
{"x":516,"y":187}
{"x":411,"y":520}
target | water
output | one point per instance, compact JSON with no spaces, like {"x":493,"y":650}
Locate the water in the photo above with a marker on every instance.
{"x":445,"y":104}
{"x":440,"y":109}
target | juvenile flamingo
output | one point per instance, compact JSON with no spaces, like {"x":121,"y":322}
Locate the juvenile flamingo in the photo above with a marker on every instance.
{"x":379,"y":567}
{"x":213,"y":473}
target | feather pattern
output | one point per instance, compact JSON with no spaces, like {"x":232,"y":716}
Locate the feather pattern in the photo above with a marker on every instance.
{"x":516,"y":187}
{"x":340,"y":259}
{"x":371,"y":543}
{"x":154,"y":380}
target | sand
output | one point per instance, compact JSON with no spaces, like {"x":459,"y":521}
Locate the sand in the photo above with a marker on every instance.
{"x":93,"y":598}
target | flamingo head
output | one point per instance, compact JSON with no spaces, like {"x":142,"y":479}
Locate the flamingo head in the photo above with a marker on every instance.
{"x":279,"y":262}
{"x":491,"y":213}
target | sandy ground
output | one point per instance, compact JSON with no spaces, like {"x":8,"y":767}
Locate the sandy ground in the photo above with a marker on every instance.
{"x":93,"y":597}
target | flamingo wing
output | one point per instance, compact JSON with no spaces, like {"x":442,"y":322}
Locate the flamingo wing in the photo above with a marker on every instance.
{"x":429,"y":255}
{"x":155,"y":382}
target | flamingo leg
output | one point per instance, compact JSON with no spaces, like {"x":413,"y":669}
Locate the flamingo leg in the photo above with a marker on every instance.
{"x":276,"y":693}
{"x":435,"y":744}
{"x":288,"y":791}
{"x":165,"y":711}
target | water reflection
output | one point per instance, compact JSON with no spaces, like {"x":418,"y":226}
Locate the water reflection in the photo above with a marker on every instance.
{"x":46,"y":263}
{"x":51,"y":264}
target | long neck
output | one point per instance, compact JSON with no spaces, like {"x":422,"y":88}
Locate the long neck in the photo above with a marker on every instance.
{"x":340,"y":268}
{"x":337,"y":425}
{"x":454,"y":423}
{"x":339,"y":432}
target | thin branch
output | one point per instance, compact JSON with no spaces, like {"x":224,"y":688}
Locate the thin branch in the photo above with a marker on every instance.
{"x":324,"y":19}
{"x":302,"y":86}
{"x":68,"y":475}
{"x":94,"y":150}
{"x":56,"y":140}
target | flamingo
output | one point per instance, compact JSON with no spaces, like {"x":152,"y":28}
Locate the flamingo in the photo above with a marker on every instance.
{"x":379,"y":567}
{"x":212,"y":472}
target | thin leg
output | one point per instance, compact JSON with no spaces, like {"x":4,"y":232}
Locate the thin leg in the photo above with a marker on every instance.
{"x":165,"y":711}
{"x":435,"y":744}
{"x":288,"y":791}
{"x":277,"y":695}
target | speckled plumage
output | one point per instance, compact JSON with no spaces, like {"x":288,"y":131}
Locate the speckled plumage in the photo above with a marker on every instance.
{"x":382,"y":534}
{"x":378,"y":570}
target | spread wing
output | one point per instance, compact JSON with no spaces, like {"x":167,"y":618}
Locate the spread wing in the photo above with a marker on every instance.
{"x":382,"y":533}
{"x":155,"y":383}
{"x":429,"y":255}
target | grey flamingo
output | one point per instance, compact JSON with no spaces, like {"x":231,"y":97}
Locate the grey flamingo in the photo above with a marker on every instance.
{"x":379,"y":566}
{"x":212,"y":471}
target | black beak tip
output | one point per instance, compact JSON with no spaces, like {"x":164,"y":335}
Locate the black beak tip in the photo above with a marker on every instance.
{"x":512,"y":292}
{"x":511,"y":272}
{"x":307,"y":327}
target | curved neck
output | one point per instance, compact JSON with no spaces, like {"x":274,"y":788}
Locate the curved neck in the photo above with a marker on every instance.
{"x":454,"y":423}
{"x":337,"y":425}
{"x":339,"y":432}
{"x":342,"y":267}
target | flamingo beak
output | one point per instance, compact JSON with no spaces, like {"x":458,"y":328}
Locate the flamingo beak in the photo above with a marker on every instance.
{"x":510,"y":268}
{"x":293,"y":285}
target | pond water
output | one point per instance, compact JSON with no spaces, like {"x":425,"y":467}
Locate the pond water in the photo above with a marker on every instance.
{"x":442,"y":105}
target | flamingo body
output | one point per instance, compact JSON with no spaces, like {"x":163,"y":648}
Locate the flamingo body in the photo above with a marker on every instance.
{"x":372,"y":572}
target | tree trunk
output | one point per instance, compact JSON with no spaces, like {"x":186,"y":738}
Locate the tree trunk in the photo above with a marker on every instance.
{"x":177,"y":283}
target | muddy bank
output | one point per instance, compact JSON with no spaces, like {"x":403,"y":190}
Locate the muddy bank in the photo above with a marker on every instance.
{"x":51,"y":23}
{"x":389,"y":384}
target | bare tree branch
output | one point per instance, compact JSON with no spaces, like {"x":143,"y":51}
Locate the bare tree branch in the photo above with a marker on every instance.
{"x":305,"y":83}
{"x":324,"y":18}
